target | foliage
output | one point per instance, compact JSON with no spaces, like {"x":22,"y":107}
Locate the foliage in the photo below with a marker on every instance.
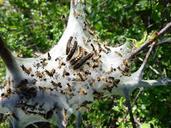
{"x":35,"y":26}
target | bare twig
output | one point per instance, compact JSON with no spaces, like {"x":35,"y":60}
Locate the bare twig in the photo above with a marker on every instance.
{"x":165,"y":29}
{"x":166,"y":41}
{"x":141,"y":69}
{"x":154,"y":70}
{"x":135,"y":100}
{"x":137,"y":96}
{"x":161,"y":43}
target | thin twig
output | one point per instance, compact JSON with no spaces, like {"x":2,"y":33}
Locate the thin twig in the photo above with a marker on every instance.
{"x":154,"y":70}
{"x":165,"y":29}
{"x":135,"y":100}
{"x":167,"y":41}
{"x":141,"y":69}
{"x":137,"y":96}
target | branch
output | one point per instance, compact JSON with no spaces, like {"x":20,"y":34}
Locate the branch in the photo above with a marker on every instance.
{"x":141,"y":69}
{"x":134,"y":53}
{"x":154,"y":70}
{"x":166,"y":41}
{"x":128,"y":104}
{"x":165,"y":29}
{"x":148,"y":42}
{"x":133,"y":103}
{"x":153,"y":83}
{"x":9,"y":60}
{"x":78,"y":120}
{"x":137,"y":96}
